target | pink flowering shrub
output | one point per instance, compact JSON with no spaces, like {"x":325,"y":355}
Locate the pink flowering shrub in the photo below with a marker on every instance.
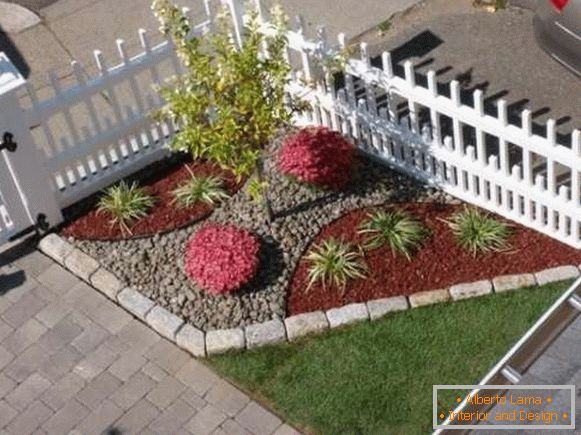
{"x":318,"y":156}
{"x":222,"y":258}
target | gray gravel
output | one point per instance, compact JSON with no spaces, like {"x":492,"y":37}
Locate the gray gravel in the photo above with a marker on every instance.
{"x":154,"y":266}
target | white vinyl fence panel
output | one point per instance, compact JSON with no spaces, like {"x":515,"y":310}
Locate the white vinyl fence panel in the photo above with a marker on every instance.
{"x":100,"y":129}
{"x":445,"y":141}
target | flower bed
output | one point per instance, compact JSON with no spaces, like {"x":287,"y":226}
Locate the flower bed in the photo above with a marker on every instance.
{"x":164,"y":216}
{"x":439,"y":263}
{"x":155,"y":265}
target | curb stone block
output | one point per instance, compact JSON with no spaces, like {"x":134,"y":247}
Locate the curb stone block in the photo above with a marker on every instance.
{"x":81,"y":264}
{"x":380,"y":307}
{"x":106,"y":283}
{"x":164,"y":322}
{"x":223,"y":340}
{"x":192,"y":339}
{"x":347,"y":314}
{"x":307,"y":323}
{"x":261,"y":334}
{"x":55,"y":247}
{"x":135,"y":302}
{"x":512,"y":282}
{"x":199,"y":343}
{"x":429,"y":297}
{"x":555,"y":274}
{"x":470,"y":289}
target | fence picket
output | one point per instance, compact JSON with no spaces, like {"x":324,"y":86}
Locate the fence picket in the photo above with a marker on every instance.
{"x":576,"y":174}
{"x":387,"y":64}
{"x":410,"y":77}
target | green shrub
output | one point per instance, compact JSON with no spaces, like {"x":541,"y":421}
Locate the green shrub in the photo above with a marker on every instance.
{"x":208,"y":190}
{"x":126,"y":204}
{"x":479,"y":232}
{"x":231,"y":100}
{"x":334,"y":262}
{"x":398,"y":229}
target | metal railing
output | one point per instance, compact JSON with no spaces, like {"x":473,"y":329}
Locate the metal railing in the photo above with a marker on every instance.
{"x":525,"y":351}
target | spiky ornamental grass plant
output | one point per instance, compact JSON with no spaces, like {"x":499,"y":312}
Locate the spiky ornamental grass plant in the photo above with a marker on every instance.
{"x":199,"y":188}
{"x":334,"y":262}
{"x":398,"y":229}
{"x":478,"y":232}
{"x":126,"y":204}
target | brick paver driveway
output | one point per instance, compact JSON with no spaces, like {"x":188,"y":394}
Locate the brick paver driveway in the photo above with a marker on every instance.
{"x":71,"y":361}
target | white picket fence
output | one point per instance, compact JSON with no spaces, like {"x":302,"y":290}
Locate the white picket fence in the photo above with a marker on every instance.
{"x":481,"y":159}
{"x":116,"y":134}
{"x":99,"y":129}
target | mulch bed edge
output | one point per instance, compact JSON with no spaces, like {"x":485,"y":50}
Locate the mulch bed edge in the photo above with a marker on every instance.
{"x":198,"y":342}
{"x":439,"y":264}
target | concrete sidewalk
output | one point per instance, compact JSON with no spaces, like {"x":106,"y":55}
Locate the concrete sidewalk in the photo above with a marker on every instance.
{"x":72,"y":29}
{"x":72,"y":362}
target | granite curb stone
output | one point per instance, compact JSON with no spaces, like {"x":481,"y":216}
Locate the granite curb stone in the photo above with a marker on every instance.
{"x":555,"y":274}
{"x":81,"y":264}
{"x":135,"y":302}
{"x":192,"y":339}
{"x":55,"y":247}
{"x":223,"y":340}
{"x":261,"y":334}
{"x":306,"y":323}
{"x":380,"y":307}
{"x":512,"y":282}
{"x":164,"y":322}
{"x":429,"y":297}
{"x":347,"y":314}
{"x":106,"y":283}
{"x":470,"y":289}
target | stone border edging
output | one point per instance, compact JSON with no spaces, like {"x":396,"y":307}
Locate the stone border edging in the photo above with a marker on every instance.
{"x":201,"y":344}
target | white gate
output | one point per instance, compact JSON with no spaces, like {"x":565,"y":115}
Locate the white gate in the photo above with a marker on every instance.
{"x":26,"y":199}
{"x":13,"y":215}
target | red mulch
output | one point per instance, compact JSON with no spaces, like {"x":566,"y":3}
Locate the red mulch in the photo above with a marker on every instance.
{"x":439,"y":263}
{"x":164,"y":216}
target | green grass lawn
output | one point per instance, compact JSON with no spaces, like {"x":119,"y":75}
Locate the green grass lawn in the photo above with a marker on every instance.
{"x":377,"y":377}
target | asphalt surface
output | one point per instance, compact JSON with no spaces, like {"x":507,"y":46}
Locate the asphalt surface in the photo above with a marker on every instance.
{"x":495,"y":52}
{"x":351,"y":17}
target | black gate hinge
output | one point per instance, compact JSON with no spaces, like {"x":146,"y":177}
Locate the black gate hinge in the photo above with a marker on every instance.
{"x":8,"y":143}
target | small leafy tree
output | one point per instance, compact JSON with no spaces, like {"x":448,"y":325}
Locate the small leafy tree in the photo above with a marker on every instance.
{"x":230,"y":102}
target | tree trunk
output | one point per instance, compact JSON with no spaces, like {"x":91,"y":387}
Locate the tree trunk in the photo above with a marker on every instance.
{"x":259,"y":170}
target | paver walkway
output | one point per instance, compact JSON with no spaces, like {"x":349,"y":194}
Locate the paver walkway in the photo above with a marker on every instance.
{"x":71,"y":361}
